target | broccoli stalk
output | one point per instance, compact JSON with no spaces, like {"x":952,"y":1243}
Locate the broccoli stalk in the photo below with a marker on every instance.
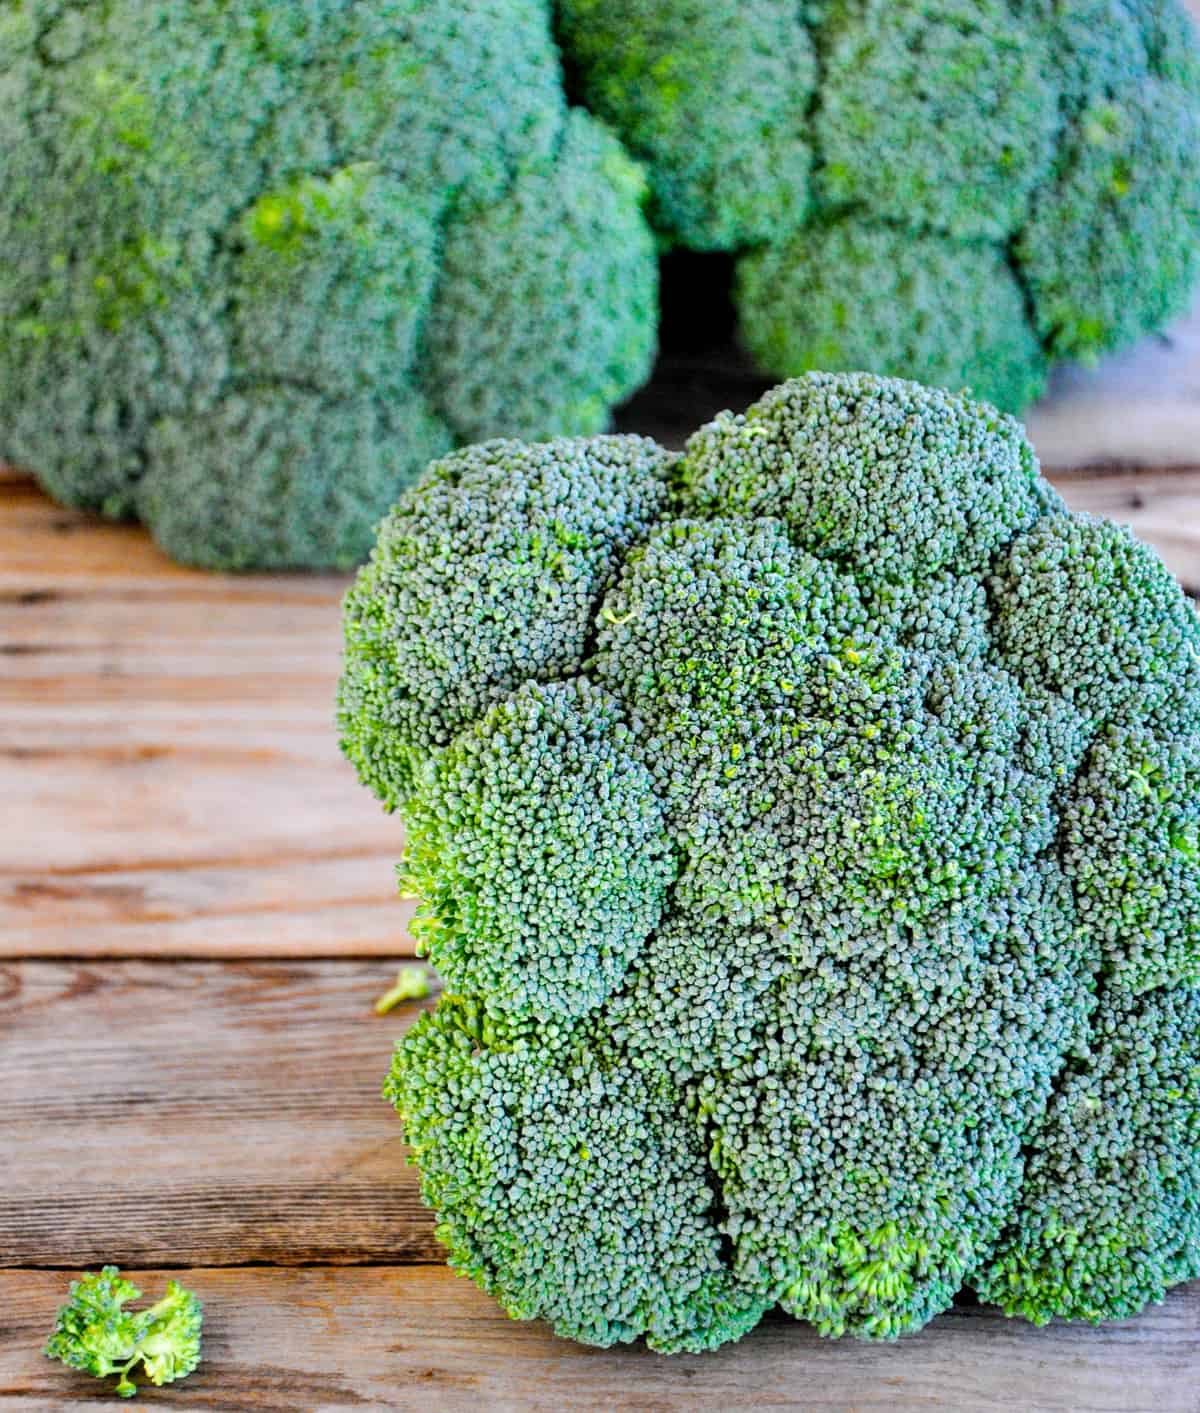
{"x":94,"y":1332}
{"x":411,"y":984}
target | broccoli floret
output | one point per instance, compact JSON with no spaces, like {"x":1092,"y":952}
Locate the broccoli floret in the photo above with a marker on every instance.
{"x":869,"y":1146}
{"x":1110,"y":1213}
{"x":853,"y":293}
{"x":502,"y":554}
{"x":956,"y":190}
{"x":883,"y":477}
{"x":814,"y":865}
{"x":1098,"y":46}
{"x":548,"y":301}
{"x":1111,"y":248}
{"x":715,"y":98}
{"x":94,"y":1332}
{"x":1131,"y":846}
{"x":282,"y":475}
{"x":263,"y":262}
{"x":940,"y":115}
{"x":1085,"y":610}
{"x":363,"y":245}
{"x":539,"y":790}
{"x":570,"y":1188}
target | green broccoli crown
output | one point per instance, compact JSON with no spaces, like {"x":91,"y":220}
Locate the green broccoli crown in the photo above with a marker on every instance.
{"x":954,"y":189}
{"x":714,"y":97}
{"x":846,"y":292}
{"x":807,"y":833}
{"x":95,"y":1333}
{"x":264,"y":263}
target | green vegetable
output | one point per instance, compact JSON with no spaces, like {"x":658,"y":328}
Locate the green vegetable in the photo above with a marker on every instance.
{"x":94,"y":1332}
{"x":263,"y":262}
{"x":806,"y":828}
{"x":411,"y":984}
{"x":959,"y":190}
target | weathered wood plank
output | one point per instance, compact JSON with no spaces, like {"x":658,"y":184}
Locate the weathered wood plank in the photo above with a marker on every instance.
{"x":44,"y":545}
{"x":238,"y":908}
{"x":167,"y":744}
{"x":421,"y":1339}
{"x":182,"y":1113}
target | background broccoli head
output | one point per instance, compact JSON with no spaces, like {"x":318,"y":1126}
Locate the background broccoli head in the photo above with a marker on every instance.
{"x":807,"y":833}
{"x":264,"y":262}
{"x":956,"y":190}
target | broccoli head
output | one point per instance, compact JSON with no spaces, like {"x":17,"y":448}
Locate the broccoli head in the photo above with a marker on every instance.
{"x":806,"y":832}
{"x":264,"y":262}
{"x":957,"y":190}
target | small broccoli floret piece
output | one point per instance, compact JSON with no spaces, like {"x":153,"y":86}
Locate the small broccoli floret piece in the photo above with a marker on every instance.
{"x":1110,"y":1209}
{"x":486,"y":574}
{"x":940,"y":115}
{"x":569,"y":1188}
{"x":94,"y":1332}
{"x":543,"y":789}
{"x":884,"y":478}
{"x":547,"y":302}
{"x":714,"y":97}
{"x":808,"y":842}
{"x":853,"y":293}
{"x":1085,"y":610}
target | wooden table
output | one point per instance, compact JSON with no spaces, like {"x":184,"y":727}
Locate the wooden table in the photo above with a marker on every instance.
{"x":196,"y":913}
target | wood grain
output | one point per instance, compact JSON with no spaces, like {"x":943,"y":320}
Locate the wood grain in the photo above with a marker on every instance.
{"x":187,"y":1113}
{"x":422,"y":1339}
{"x":167,"y":743}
